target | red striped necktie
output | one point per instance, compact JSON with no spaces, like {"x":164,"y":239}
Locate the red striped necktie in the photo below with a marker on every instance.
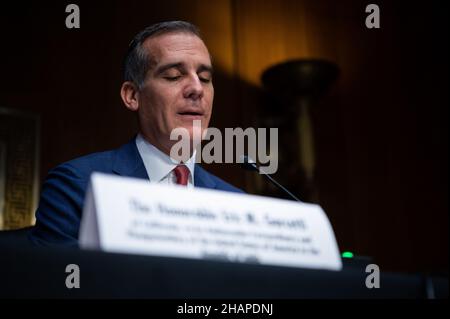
{"x":182,"y":174}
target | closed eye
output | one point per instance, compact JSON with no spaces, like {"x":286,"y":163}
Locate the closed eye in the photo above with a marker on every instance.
{"x":205,"y":76}
{"x":205,"y":80}
{"x":172,"y":78}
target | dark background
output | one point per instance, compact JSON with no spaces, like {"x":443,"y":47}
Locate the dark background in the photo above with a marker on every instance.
{"x":381,"y":132}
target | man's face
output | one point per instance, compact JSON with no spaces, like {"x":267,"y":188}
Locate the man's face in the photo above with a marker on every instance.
{"x":178,"y":87}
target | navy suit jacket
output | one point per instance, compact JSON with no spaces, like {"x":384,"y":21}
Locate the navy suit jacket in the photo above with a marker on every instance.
{"x":60,"y":207}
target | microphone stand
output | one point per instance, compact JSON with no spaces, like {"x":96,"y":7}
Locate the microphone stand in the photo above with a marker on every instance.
{"x":250,"y":165}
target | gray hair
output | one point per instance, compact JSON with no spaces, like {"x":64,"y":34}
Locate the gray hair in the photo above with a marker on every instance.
{"x":137,"y":59}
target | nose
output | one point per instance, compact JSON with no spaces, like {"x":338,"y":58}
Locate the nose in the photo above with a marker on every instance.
{"x":194,"y":88}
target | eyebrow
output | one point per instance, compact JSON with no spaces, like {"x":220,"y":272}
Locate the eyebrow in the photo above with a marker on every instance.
{"x":166,"y":67}
{"x":180,"y":65}
{"x":206,"y":68}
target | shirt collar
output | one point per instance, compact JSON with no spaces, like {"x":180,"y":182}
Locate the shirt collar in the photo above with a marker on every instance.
{"x":157,"y":163}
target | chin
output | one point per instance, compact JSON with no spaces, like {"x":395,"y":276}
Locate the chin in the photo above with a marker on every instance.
{"x":194,"y":131}
{"x":195,"y":134}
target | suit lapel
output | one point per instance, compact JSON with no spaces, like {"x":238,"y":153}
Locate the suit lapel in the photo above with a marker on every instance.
{"x":202,"y":178}
{"x":128,"y":161}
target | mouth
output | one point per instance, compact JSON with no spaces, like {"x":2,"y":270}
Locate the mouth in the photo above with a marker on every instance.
{"x":191,"y":114}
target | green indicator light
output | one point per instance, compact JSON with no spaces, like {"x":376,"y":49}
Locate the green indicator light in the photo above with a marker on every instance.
{"x":347,"y":254}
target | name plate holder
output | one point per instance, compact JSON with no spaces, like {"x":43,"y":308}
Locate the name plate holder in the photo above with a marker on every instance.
{"x":128,"y":215}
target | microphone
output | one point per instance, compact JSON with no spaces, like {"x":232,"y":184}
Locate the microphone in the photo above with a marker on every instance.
{"x":250,"y":165}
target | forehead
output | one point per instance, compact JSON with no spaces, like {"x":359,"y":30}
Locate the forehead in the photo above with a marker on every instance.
{"x":177,"y":47}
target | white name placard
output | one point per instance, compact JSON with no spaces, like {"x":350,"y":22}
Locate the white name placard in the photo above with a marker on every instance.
{"x":130,"y":215}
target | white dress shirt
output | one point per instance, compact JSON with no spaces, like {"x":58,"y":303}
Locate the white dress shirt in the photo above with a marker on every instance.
{"x":159,"y":166}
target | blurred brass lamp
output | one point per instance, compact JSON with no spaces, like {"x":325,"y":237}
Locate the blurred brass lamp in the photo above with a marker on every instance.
{"x":292,"y":88}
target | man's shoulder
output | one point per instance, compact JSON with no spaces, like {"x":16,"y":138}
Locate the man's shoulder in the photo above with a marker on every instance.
{"x":83,"y":166}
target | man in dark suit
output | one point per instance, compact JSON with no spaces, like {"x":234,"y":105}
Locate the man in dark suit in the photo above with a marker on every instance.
{"x":168,"y":83}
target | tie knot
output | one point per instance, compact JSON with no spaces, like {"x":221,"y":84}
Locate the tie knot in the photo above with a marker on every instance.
{"x":182,"y":174}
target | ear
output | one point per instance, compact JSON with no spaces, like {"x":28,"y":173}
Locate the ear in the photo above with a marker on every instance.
{"x":130,"y":95}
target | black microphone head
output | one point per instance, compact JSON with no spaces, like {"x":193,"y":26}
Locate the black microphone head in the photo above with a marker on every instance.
{"x":248,"y":164}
